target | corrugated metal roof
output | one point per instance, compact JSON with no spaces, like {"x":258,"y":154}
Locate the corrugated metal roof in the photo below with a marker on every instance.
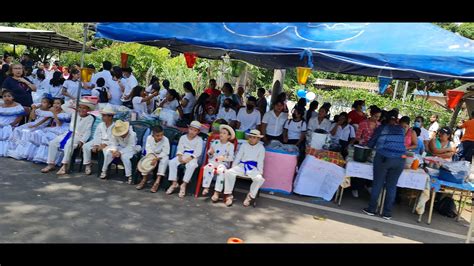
{"x":371,"y":86}
{"x":40,"y":38}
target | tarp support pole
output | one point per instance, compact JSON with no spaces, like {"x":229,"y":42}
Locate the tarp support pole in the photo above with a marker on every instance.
{"x":278,"y":75}
{"x":395,"y":91}
{"x":405,"y":91}
{"x":78,"y":96}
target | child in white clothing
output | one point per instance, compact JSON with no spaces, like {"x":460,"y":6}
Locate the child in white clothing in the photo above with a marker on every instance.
{"x":221,"y":153}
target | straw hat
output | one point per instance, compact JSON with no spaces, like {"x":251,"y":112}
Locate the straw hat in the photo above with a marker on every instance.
{"x":196,"y":125}
{"x":87,"y":103}
{"x":254,"y":133}
{"x":120,"y":128}
{"x":231,"y":130}
{"x":108,"y":110}
{"x":145,"y":165}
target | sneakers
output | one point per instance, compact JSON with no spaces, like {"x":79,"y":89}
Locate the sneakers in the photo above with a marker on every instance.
{"x":355,"y":193}
{"x":88,"y":169}
{"x":366,"y":211}
{"x":387,"y":217}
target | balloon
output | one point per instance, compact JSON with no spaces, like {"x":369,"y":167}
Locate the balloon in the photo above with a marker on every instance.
{"x":310,"y":96}
{"x":301,"y":93}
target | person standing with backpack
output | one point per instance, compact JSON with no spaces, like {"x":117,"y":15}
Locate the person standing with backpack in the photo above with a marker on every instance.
{"x":101,"y":91}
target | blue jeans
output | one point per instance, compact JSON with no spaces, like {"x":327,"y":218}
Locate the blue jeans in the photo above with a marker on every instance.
{"x":386,"y":173}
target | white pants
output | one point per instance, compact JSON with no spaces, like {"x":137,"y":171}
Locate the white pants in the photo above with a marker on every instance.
{"x":162,"y":164}
{"x":53,"y":149}
{"x":209,"y":174}
{"x":238,"y":170}
{"x":87,"y":152}
{"x":188,"y":173}
{"x":124,"y":156}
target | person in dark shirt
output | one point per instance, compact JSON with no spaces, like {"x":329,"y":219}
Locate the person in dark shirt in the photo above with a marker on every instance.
{"x":19,"y":86}
{"x":261,"y":102}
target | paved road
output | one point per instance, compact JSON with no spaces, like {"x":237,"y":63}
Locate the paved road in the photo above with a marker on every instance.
{"x":42,"y":208}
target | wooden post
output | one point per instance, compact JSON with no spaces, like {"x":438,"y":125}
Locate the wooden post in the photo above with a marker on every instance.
{"x":405,"y":91}
{"x":395,"y":91}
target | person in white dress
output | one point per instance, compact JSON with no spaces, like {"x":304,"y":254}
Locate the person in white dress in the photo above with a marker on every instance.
{"x":102,"y":137}
{"x":434,"y":126}
{"x":124,"y":146}
{"x":140,"y":100}
{"x":159,"y":146}
{"x":248,"y":117}
{"x":221,"y":155}
{"x":319,"y":122}
{"x":248,"y":163}
{"x":106,"y":74}
{"x":188,"y":152}
{"x":116,"y":88}
{"x":71,"y":86}
{"x":273,"y":122}
{"x":54,"y":86}
{"x":82,"y":134}
{"x":11,"y":114}
{"x":188,"y":101}
{"x":228,"y":113}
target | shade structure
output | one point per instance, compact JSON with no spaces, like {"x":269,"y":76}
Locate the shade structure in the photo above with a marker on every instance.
{"x":409,"y":51}
{"x":40,"y":38}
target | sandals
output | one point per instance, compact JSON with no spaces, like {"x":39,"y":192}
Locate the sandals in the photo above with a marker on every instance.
{"x":156,"y":185}
{"x":182,"y":191}
{"x":171,"y":189}
{"x":103,"y":175}
{"x":61,"y":171}
{"x":130,"y":180}
{"x":215,"y":197}
{"x":248,"y":200}
{"x":47,"y":169}
{"x":205,"y":191}
{"x":229,"y":200}
{"x":88,"y":170}
{"x":142,"y":184}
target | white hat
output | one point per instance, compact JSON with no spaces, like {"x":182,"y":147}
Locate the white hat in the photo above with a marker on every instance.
{"x":107,"y":110}
{"x":87,"y":103}
{"x":254,"y":133}
{"x":196,"y":125}
{"x":145,"y":165}
{"x":120,"y":128}
{"x":231,"y":130}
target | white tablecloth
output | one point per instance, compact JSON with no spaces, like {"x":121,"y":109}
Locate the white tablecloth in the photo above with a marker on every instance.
{"x":415,"y":179}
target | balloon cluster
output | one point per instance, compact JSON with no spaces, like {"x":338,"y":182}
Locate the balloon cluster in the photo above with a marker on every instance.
{"x":301,"y":93}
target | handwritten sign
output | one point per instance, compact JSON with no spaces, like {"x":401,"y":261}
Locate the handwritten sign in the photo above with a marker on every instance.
{"x":318,"y":178}
{"x":361,"y":170}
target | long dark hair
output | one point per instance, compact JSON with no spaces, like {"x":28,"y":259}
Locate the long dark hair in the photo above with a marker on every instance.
{"x":312,"y":107}
{"x":175,"y":94}
{"x":189,"y":87}
{"x":136,"y":91}
{"x":73,"y":72}
{"x":57,"y":79}
{"x":201,"y":102}
{"x":153,"y":80}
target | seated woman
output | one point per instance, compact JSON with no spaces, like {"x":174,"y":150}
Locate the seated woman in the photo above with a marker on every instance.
{"x":210,"y":115}
{"x":199,"y":110}
{"x":343,"y":133}
{"x":40,"y":117}
{"x":411,"y":141}
{"x":11,"y":114}
{"x":171,"y":102}
{"x":227,"y":112}
{"x":140,"y":100}
{"x":442,"y":146}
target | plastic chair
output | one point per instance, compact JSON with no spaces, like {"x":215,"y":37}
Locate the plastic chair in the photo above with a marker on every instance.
{"x":206,"y":159}
{"x":78,"y":151}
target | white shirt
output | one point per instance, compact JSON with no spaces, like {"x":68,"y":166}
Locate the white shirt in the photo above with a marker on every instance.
{"x":424,"y":134}
{"x":173,"y":105}
{"x":127,"y":144}
{"x":434,"y":127}
{"x":115,"y":93}
{"x":162,"y":94}
{"x":344,"y":133}
{"x":314,"y":124}
{"x":139,"y":106}
{"x":249,"y":152}
{"x":191,"y":102}
{"x":132,"y":81}
{"x":84,"y":124}
{"x":227,"y":115}
{"x":72,"y":87}
{"x":106,"y":75}
{"x":194,"y":146}
{"x":54,"y":91}
{"x":220,"y":149}
{"x":160,"y":149}
{"x":295,"y":128}
{"x":274,"y":123}
{"x":248,"y":121}
{"x":103,"y":134}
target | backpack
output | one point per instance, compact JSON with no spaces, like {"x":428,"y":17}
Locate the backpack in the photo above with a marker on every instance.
{"x":447,"y":207}
{"x":103,"y":97}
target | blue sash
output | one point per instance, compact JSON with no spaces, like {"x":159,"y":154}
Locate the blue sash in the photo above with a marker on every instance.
{"x":65,"y":139}
{"x":248,"y":165}
{"x":188,"y":151}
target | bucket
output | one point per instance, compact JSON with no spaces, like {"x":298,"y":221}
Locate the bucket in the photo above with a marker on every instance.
{"x":361,"y":153}
{"x":302,"y":74}
{"x":318,"y":140}
{"x":239,"y":134}
{"x":454,"y":97}
{"x":86,"y":74}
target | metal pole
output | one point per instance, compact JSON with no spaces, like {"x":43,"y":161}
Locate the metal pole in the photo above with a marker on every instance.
{"x":78,"y":96}
{"x":405,"y":91}
{"x":395,"y":91}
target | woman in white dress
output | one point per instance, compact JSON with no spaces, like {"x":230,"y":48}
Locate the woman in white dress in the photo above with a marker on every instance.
{"x":188,"y":101}
{"x":11,"y":113}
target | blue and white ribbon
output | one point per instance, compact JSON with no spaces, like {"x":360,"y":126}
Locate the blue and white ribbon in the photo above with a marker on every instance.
{"x":248,"y":165}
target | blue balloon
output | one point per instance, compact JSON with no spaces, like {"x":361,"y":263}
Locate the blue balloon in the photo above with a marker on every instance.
{"x":301,"y":93}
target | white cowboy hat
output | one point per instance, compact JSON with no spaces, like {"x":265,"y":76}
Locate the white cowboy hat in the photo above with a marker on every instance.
{"x":196,"y":125}
{"x":120,"y":128}
{"x":231,"y":130}
{"x":254,"y":133}
{"x":87,"y":103}
{"x":108,"y":110}
{"x":145,"y":165}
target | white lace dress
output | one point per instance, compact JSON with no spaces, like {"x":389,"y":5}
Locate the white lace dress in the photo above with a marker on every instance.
{"x":8,"y":116}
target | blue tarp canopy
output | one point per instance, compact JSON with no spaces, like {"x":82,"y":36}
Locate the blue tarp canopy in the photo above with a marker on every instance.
{"x":398,"y":50}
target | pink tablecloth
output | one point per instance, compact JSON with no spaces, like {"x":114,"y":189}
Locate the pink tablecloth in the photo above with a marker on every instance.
{"x":279,"y":171}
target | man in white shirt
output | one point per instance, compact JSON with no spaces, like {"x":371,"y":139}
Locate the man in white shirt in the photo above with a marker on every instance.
{"x":105,"y":74}
{"x":227,"y":113}
{"x":273,"y":122}
{"x":434,"y":126}
{"x":249,"y":117}
{"x":130,"y":82}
